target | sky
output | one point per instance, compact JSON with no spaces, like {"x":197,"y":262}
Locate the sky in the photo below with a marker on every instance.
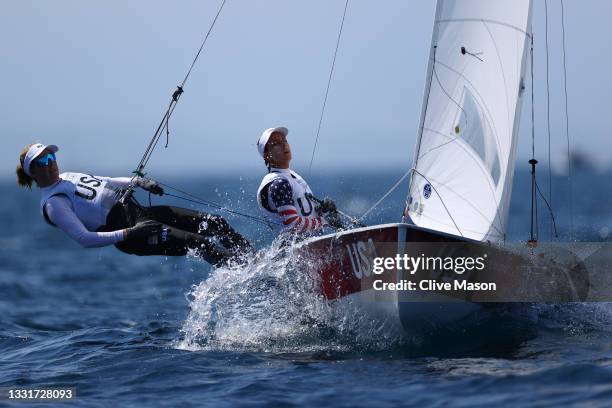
{"x":95,"y":77}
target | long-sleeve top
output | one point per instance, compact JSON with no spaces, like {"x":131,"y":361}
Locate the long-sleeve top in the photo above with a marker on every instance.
{"x":60,"y":212}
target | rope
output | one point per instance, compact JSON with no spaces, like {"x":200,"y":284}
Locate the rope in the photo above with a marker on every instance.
{"x":163,"y":125}
{"x":552,"y":214}
{"x":396,"y":185}
{"x":331,"y":72}
{"x":198,"y":200}
{"x":569,"y":159}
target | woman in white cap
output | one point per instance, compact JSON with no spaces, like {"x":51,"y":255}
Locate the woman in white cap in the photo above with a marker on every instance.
{"x":88,"y":209}
{"x":283,"y":195}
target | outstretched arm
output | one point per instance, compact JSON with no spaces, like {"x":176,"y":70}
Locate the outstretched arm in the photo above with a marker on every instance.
{"x":60,"y":212}
{"x":142,"y":182}
{"x":121,"y":182}
{"x":280,"y":194}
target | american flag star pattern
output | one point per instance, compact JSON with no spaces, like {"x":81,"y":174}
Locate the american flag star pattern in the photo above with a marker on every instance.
{"x":281,"y":196}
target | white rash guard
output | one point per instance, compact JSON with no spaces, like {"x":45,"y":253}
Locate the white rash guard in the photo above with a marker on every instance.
{"x":79,"y":203}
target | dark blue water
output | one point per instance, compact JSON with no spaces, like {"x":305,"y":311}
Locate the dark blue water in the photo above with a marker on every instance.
{"x":154,"y":331}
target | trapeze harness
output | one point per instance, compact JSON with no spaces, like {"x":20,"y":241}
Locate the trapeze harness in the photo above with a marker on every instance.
{"x":283,"y":196}
{"x":87,"y":208}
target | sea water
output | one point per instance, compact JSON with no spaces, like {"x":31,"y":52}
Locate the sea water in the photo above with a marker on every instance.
{"x":154,"y":331}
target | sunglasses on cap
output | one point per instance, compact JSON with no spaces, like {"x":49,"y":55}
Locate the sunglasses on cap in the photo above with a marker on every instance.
{"x":44,"y":161}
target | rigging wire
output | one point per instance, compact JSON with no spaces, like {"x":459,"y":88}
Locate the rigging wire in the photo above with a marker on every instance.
{"x":569,"y":158}
{"x":552,"y":214}
{"x":199,"y":200}
{"x":420,"y":136}
{"x":384,"y":196}
{"x":331,"y":73}
{"x":422,"y":125}
{"x":354,"y":221}
{"x":195,"y":59}
{"x":548,"y":122}
{"x":163,"y":125}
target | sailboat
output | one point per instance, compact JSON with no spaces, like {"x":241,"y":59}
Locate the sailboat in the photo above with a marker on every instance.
{"x":460,"y":182}
{"x":461,"y":178}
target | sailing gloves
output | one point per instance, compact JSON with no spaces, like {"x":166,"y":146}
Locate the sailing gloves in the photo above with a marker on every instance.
{"x":333,"y":219}
{"x":326,"y":205}
{"x":143,"y":229}
{"x":149,"y":185}
{"x":327,"y":209}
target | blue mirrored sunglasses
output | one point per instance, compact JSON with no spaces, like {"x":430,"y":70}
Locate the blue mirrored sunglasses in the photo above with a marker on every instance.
{"x":44,"y":161}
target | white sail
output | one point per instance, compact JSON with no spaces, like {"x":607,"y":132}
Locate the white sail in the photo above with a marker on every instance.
{"x":465,"y":153}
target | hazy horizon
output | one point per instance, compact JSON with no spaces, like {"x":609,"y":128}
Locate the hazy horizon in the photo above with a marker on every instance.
{"x":96,"y":77}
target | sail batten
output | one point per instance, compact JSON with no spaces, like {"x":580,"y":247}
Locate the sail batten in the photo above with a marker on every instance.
{"x":466,"y":145}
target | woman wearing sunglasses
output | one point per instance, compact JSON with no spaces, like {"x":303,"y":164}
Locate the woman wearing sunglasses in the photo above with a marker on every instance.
{"x":88,"y":209}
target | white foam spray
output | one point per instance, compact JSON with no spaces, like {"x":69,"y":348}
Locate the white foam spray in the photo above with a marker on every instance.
{"x":273,"y":304}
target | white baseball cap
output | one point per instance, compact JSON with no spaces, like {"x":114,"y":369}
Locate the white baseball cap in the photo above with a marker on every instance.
{"x":33,"y":152}
{"x":263,"y":139}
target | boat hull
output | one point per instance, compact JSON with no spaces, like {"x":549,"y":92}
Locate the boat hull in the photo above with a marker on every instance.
{"x":343,"y":265}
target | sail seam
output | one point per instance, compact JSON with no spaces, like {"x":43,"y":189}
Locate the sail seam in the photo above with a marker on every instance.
{"x":451,"y":140}
{"x":475,"y":90}
{"x":491,"y":223}
{"x":478,"y":20}
{"x":493,"y":127}
{"x":441,"y":199}
{"x":447,"y":94}
{"x":465,"y":148}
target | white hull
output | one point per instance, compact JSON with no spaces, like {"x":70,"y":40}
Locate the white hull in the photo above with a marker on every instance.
{"x":343,"y":264}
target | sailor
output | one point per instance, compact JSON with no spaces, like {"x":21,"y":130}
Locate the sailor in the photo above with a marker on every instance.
{"x":284,"y":196}
{"x":88,"y":209}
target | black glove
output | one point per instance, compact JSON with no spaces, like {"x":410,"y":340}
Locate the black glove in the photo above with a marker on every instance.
{"x":144,"y":229}
{"x":333,"y":219}
{"x":327,"y":205}
{"x":149,"y":185}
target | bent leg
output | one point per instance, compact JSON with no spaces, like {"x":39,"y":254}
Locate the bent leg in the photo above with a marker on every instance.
{"x":229,"y":237}
{"x":182,"y":218}
{"x":201,"y":223}
{"x":176,"y":242}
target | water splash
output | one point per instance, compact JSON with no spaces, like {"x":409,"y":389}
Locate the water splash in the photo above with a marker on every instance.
{"x":273,"y":304}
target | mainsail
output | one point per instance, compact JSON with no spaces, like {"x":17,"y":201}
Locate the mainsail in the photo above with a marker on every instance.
{"x":464,"y":159}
